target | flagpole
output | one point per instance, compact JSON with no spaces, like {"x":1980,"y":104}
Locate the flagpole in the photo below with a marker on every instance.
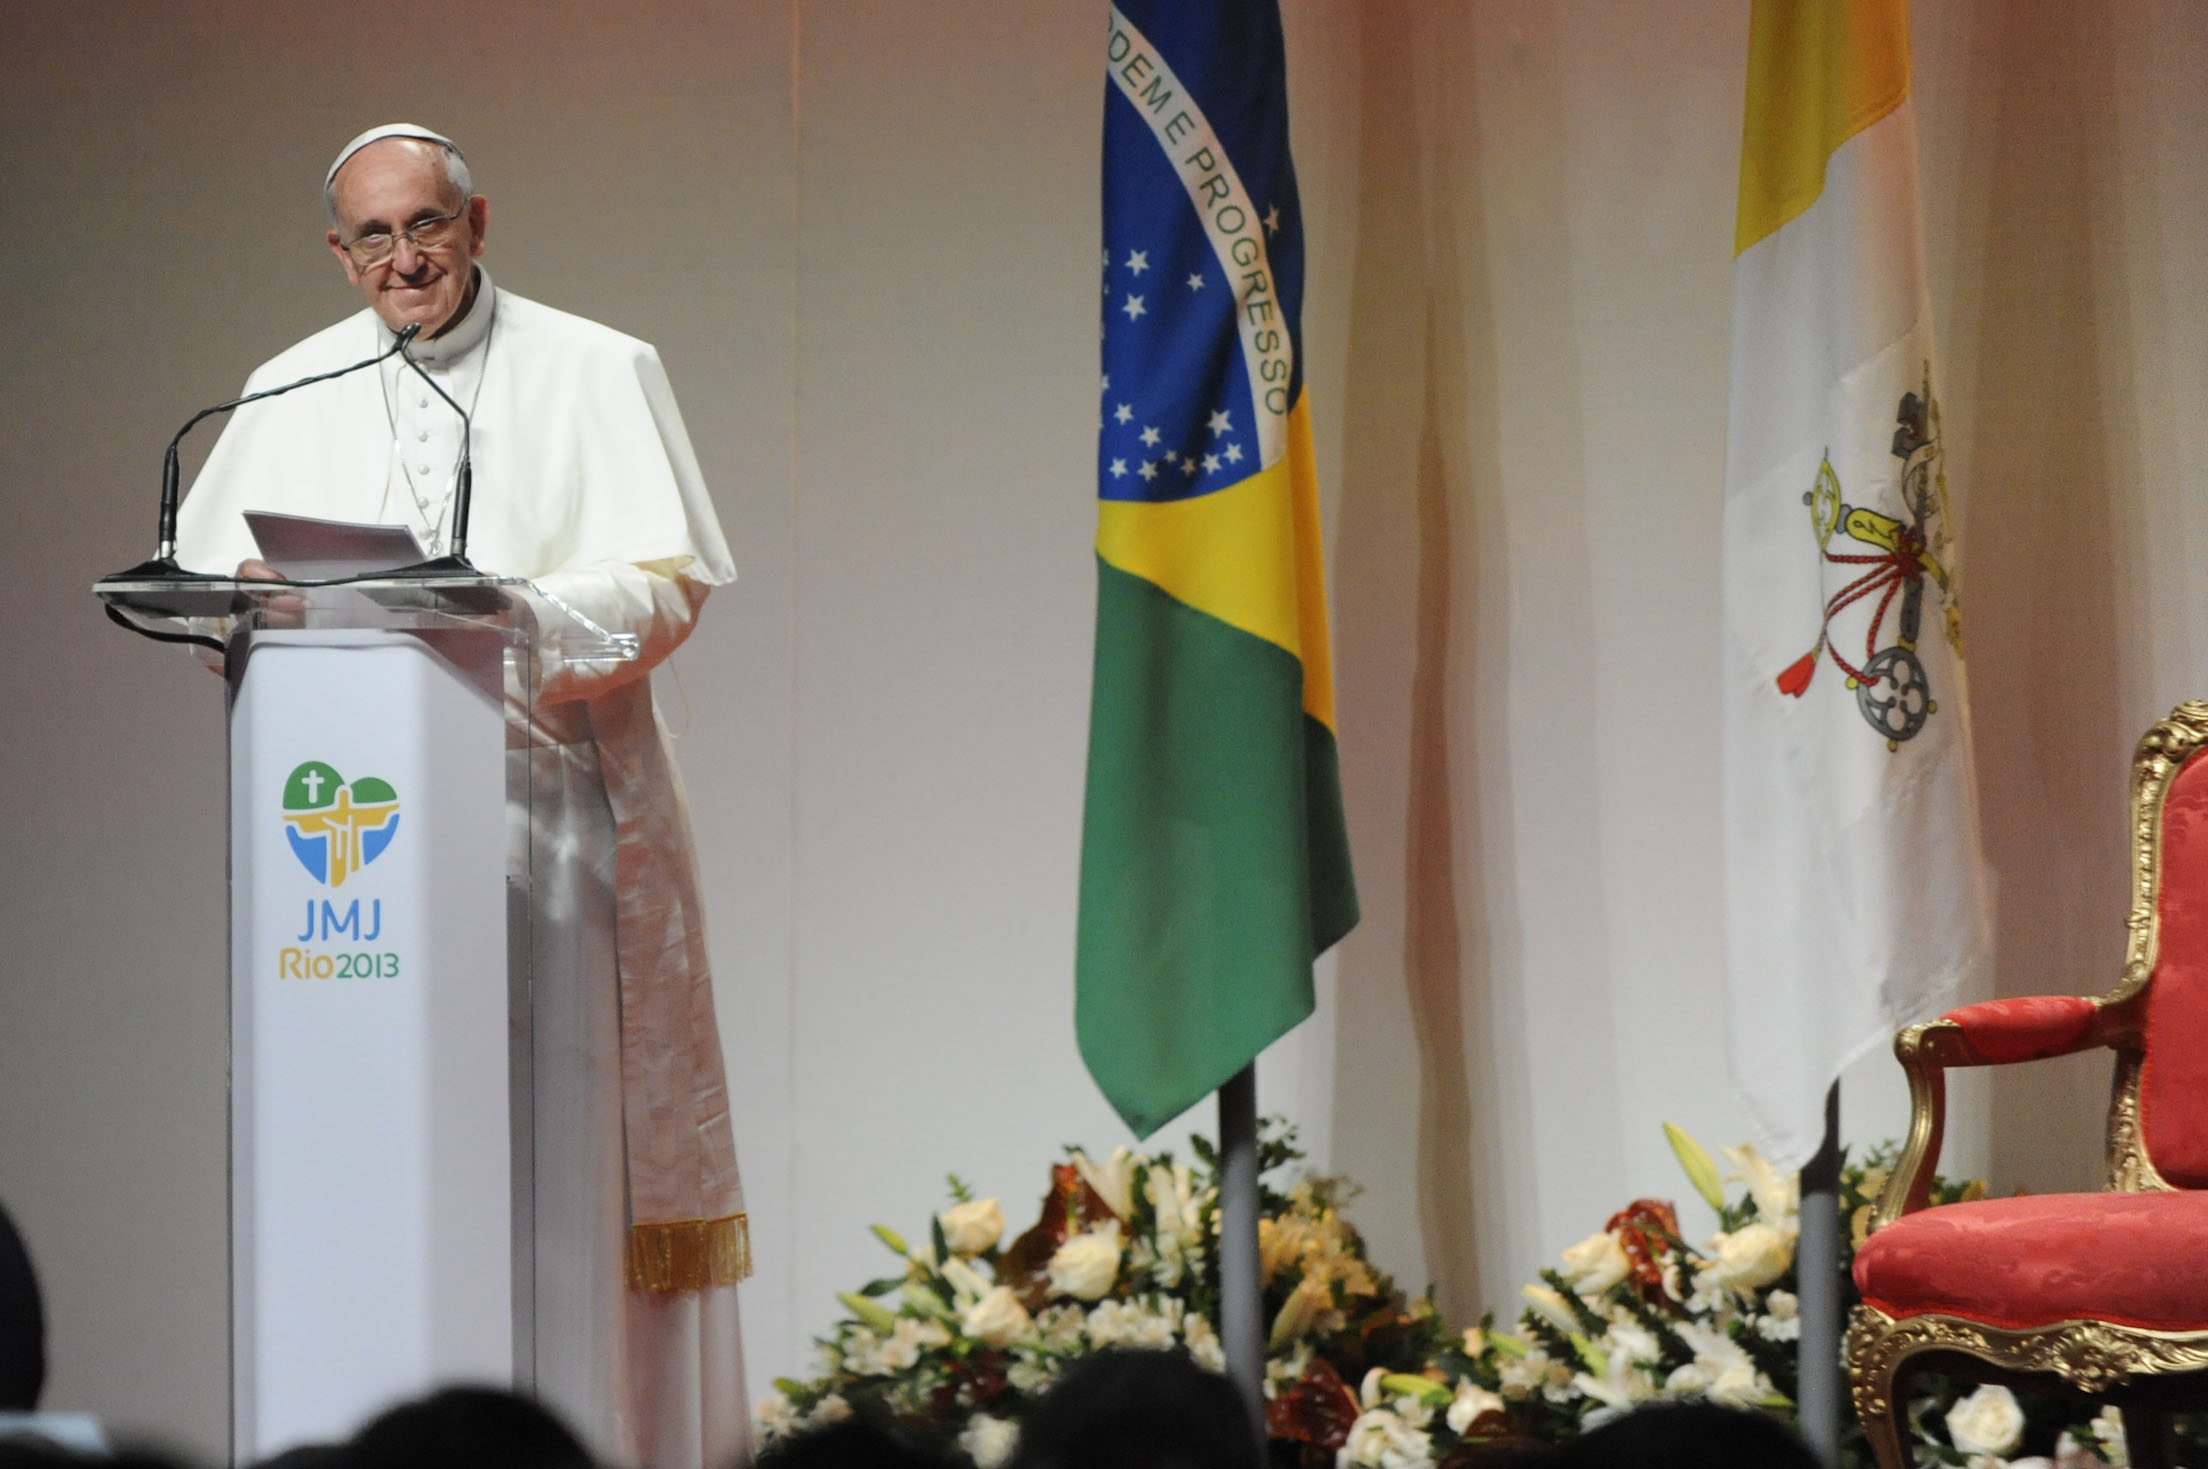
{"x":1817,"y":1277}
{"x":1241,"y":1305}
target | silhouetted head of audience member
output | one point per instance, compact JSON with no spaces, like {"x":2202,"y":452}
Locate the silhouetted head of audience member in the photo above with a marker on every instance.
{"x":855,"y":1443}
{"x":467,"y":1428}
{"x":308,"y":1456}
{"x":1691,"y":1435}
{"x":1506,"y":1453}
{"x":1139,"y":1410}
{"x":29,"y":1451}
{"x":22,"y":1325}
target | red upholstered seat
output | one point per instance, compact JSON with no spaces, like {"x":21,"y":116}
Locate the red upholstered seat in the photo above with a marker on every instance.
{"x":2136,"y":1259}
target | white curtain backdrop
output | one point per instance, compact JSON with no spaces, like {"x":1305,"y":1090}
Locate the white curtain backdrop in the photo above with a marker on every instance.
{"x":864,"y":237}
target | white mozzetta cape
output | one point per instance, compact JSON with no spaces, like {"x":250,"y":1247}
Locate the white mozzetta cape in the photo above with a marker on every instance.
{"x":585,"y":482}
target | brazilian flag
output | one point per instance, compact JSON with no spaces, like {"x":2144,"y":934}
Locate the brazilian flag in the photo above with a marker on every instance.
{"x":1214,"y":861}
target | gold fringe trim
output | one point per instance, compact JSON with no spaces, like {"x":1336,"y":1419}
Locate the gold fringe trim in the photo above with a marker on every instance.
{"x":690,"y":1254}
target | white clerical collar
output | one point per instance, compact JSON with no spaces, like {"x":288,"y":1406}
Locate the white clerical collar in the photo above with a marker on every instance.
{"x":465,"y":336}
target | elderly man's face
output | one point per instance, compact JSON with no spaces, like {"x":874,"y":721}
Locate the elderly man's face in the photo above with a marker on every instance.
{"x":387,"y":188}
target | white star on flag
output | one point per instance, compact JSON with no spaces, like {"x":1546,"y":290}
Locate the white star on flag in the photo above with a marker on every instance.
{"x":1119,"y":469}
{"x":1138,"y":261}
{"x":1211,"y":463}
{"x":1133,"y":308}
{"x":1234,"y":453}
{"x":1221,"y":422}
{"x":1149,"y":469}
{"x":1125,"y":413}
{"x":1195,"y":282}
{"x":1149,"y":438}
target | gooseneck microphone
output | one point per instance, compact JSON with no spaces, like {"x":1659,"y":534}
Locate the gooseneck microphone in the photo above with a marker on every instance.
{"x":464,"y":482}
{"x":164,"y":559}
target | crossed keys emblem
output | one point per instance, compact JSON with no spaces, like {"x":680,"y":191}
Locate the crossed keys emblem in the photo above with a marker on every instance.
{"x":1886,"y":559}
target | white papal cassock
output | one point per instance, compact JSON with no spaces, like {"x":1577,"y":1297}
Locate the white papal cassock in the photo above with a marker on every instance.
{"x":584,"y":482}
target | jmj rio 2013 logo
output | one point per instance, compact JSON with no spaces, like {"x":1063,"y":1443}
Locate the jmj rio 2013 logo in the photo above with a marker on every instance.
{"x":335,"y":829}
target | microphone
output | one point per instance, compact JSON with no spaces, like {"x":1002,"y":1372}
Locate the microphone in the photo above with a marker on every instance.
{"x":464,"y":486}
{"x":164,"y":558}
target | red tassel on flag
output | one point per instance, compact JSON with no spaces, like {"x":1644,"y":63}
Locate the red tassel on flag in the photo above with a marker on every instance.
{"x":1796,"y":677}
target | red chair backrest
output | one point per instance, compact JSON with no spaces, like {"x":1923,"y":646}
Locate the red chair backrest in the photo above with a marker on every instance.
{"x":2173,"y":1102}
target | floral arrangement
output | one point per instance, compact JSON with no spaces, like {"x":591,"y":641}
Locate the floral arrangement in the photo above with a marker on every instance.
{"x":958,"y":1344}
{"x":1123,"y":1255}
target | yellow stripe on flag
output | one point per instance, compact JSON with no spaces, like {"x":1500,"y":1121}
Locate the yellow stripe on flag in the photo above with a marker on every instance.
{"x":1819,"y":72}
{"x":1248,"y":555}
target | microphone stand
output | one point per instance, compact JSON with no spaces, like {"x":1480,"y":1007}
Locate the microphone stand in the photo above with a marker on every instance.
{"x":163,"y":566}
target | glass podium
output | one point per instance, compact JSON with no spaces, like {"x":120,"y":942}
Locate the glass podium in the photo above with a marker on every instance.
{"x":383,"y":938}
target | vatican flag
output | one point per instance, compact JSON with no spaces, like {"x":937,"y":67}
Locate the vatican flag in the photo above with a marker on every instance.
{"x":1855,"y":899}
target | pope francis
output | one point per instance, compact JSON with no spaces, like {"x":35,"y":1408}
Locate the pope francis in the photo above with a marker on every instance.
{"x":584,"y":482}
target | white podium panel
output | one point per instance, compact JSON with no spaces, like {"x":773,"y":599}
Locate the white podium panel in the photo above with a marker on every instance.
{"x":372,"y":1215}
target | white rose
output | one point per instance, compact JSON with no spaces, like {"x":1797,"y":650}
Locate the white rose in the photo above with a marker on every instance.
{"x":974,"y":1227}
{"x":997,"y":1319}
{"x":1595,"y":1264}
{"x":1753,"y":1256}
{"x":1380,"y":1440}
{"x":1471,"y":1402}
{"x":989,"y":1441}
{"x":1986,"y":1422}
{"x":1085,"y":1266}
{"x":830,"y":1409}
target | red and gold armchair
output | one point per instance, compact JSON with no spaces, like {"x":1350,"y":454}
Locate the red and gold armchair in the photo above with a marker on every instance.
{"x":2102,"y":1295}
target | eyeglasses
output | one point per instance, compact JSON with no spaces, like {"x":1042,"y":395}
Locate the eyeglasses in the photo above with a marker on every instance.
{"x":376,"y":246}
